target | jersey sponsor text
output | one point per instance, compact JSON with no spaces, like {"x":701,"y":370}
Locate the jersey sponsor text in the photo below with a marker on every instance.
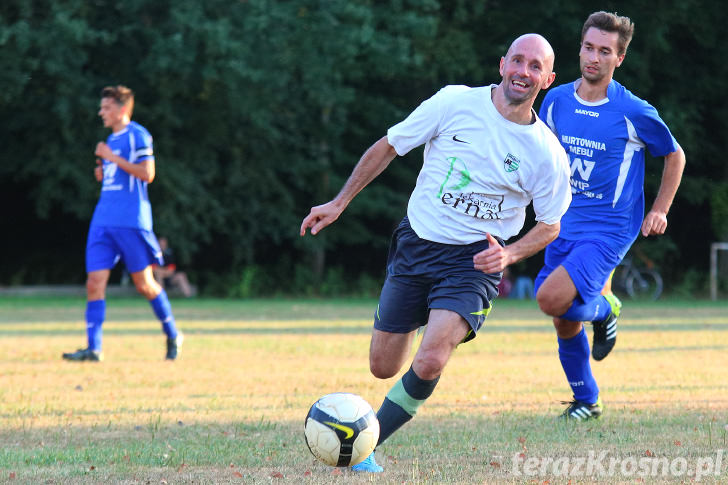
{"x":478,"y":206}
{"x":593,"y":114}
{"x":583,"y":142}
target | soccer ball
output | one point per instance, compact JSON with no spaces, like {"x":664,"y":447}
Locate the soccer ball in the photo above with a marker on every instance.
{"x":341,"y":429}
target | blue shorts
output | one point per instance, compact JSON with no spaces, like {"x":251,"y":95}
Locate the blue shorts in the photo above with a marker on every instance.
{"x":424,"y":275}
{"x":136,"y":247}
{"x":588,"y":262}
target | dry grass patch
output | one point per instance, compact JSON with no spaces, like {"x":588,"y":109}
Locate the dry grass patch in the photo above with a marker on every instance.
{"x":230,"y":410}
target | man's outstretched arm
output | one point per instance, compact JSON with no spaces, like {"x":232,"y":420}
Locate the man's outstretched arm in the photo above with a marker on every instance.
{"x":371,"y":164}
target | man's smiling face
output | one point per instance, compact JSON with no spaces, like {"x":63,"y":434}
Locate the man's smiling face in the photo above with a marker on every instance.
{"x":526,"y":69}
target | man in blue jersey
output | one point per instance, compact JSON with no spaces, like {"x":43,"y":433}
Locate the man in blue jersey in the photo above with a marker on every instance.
{"x":487,"y":157}
{"x":121,"y":227}
{"x":605,"y":129}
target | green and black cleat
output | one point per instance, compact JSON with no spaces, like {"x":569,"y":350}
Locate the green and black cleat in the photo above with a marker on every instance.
{"x":605,"y":331}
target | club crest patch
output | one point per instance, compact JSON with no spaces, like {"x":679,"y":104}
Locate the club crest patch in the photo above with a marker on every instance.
{"x":511,"y":163}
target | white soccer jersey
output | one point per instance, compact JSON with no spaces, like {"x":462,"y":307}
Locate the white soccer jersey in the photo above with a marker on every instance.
{"x":480,"y":170}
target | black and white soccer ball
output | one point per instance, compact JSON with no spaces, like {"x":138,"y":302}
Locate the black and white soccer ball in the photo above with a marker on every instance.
{"x":341,"y":429}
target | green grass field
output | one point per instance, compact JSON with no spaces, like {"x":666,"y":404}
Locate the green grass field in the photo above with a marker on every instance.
{"x":231,"y":409}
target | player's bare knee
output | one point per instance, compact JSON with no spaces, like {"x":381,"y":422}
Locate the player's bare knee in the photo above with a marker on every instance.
{"x":429,"y":365}
{"x":549,"y":303}
{"x":382,"y":370}
{"x":545,"y":303}
{"x":146,"y":290}
{"x":95,"y":287}
{"x":91,"y":286}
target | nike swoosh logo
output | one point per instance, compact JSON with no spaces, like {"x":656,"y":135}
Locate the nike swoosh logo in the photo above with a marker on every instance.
{"x":349,"y":432}
{"x":455,"y":138}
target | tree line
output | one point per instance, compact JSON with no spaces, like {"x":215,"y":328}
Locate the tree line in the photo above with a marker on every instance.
{"x":259,"y":109}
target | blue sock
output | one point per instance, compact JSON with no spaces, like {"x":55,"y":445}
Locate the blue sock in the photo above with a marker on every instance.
{"x":594,"y":310}
{"x":163,"y":310}
{"x":574,"y":356}
{"x":402,"y":402}
{"x":95,"y":315}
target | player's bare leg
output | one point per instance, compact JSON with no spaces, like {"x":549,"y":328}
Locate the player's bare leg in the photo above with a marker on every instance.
{"x":96,"y":282}
{"x":555,"y":297}
{"x":145,"y":283}
{"x":557,"y":293}
{"x":388,"y":352}
{"x":445,"y":330}
{"x":147,"y":286}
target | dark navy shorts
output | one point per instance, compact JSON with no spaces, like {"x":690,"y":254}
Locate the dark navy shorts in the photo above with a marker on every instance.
{"x":136,"y":247}
{"x":588,"y":262}
{"x":424,"y":275}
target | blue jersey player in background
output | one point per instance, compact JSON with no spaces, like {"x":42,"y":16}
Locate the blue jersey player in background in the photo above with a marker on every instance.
{"x":605,"y":129}
{"x":121,"y":227}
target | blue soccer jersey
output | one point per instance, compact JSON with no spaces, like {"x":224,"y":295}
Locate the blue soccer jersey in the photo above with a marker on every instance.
{"x":124,"y":201}
{"x":606,"y":143}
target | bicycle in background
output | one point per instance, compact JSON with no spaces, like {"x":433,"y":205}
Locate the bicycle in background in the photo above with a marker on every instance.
{"x":639,"y":281}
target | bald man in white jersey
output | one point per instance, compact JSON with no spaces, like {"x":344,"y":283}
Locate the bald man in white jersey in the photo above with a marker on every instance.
{"x":487,"y":156}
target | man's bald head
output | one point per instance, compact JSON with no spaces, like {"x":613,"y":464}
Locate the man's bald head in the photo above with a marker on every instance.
{"x":527,"y":68}
{"x":536,"y":44}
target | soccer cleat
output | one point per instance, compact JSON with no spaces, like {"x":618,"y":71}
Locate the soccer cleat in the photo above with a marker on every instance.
{"x":368,"y":465}
{"x":581,"y":411}
{"x":605,"y":331}
{"x":174,"y":346}
{"x":84,"y":354}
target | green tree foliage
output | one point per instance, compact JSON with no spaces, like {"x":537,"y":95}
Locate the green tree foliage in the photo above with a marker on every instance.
{"x":259,"y":109}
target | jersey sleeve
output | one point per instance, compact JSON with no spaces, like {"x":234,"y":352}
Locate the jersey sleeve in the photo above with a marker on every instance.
{"x":551,"y":191}
{"x":141,"y":146}
{"x":545,"y":113}
{"x":420,"y":126}
{"x":653,"y":132}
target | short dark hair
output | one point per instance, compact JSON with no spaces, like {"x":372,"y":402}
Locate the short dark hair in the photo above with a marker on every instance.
{"x":611,"y":22}
{"x":121,"y":94}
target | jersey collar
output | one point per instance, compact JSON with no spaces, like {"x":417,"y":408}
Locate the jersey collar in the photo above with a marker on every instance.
{"x":589,"y":103}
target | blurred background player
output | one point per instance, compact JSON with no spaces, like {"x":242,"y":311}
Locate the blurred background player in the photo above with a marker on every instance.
{"x":605,"y":129}
{"x":487,"y":157}
{"x":169,"y":275}
{"x":121,"y":227}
